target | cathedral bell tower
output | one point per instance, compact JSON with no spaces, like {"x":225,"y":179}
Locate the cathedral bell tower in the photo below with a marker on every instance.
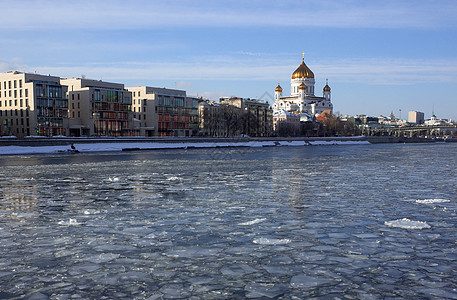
{"x":278,"y":92}
{"x":327,"y":91}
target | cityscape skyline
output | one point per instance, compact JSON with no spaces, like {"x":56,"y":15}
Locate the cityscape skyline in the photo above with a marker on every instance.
{"x":379,"y":57}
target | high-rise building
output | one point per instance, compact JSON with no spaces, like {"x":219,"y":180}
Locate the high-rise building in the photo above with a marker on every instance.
{"x":416,"y":117}
{"x":164,"y":112}
{"x":98,"y":108}
{"x":32,"y":104}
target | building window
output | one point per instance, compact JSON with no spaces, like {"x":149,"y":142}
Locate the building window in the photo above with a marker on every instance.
{"x":15,"y":102}
{"x":26,"y":93}
{"x":78,"y":105}
{"x":20,"y":93}
{"x":79,"y":114}
{"x":72,"y":96}
{"x":27,"y":102}
{"x":20,"y":103}
{"x":20,"y":83}
{"x":15,"y":84}
{"x":9,"y":84}
{"x":138,"y":94}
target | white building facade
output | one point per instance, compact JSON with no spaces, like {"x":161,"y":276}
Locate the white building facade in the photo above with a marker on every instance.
{"x":302,"y":98}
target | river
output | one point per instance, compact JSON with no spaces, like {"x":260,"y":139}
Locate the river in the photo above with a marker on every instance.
{"x":355,"y":221}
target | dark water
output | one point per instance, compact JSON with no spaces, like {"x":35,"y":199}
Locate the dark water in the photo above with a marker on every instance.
{"x":331,"y":222}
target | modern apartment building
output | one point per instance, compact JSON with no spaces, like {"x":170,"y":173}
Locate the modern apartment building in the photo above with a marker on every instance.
{"x":32,"y":105}
{"x":98,"y":108}
{"x":164,"y":112}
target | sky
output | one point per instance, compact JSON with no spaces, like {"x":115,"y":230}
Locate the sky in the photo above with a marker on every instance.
{"x":378,"y":56}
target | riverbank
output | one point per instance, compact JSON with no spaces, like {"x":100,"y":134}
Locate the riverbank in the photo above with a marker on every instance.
{"x":10,"y":146}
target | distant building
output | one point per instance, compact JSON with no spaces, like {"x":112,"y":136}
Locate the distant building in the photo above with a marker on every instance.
{"x":211,"y":116}
{"x":98,"y":108}
{"x":416,"y":117}
{"x":286,"y":123}
{"x":255,"y":116}
{"x":434,"y":121}
{"x":164,"y":112}
{"x":32,"y":104}
{"x":391,"y":120}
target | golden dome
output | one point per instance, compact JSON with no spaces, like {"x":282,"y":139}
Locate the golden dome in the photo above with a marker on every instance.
{"x":302,"y":71}
{"x":326,"y":87}
{"x":302,"y":86}
{"x":278,"y":88}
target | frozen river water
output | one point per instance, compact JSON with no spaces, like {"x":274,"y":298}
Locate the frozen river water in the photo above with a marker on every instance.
{"x":347,"y":222}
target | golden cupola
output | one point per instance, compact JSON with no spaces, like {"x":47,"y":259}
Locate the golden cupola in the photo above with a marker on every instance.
{"x":302,"y":71}
{"x":326,"y":87}
{"x":278,"y":88}
{"x":302,"y":86}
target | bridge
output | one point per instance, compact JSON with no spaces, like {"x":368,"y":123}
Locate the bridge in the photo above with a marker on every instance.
{"x":413,"y":131}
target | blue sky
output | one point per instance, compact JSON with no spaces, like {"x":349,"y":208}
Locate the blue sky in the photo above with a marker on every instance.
{"x":379,"y":56}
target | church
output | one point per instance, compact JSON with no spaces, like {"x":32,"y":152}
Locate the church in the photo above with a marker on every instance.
{"x":302,"y":102}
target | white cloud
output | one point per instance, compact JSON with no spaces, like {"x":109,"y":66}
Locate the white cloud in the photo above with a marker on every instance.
{"x":387,"y":71}
{"x":14,"y":64}
{"x":378,"y":71}
{"x":182,"y":84}
{"x":119,"y":14}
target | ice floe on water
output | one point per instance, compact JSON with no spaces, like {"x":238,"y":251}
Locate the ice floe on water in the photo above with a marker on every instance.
{"x":256,"y":221}
{"x":406,"y":223}
{"x":432,"y":201}
{"x":69,"y":222}
{"x":270,"y":241}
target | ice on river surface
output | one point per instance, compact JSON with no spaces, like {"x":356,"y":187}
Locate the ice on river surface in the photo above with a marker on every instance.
{"x":270,"y":241}
{"x":432,"y":201}
{"x":330,"y":222}
{"x":255,"y":221}
{"x":407,"y":224}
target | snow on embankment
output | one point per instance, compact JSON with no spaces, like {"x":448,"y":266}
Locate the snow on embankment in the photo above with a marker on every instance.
{"x":100,"y":147}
